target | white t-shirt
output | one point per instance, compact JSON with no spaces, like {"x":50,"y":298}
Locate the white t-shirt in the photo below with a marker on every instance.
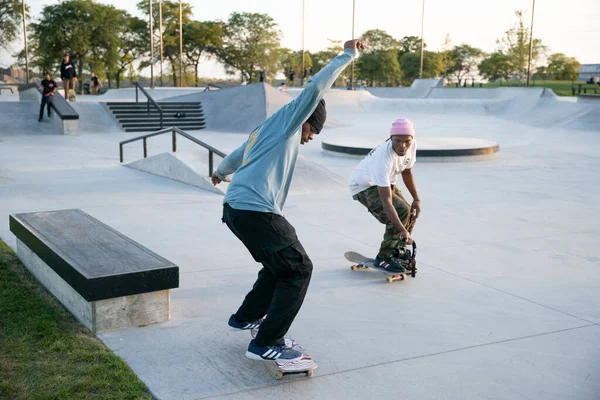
{"x":381,"y":167}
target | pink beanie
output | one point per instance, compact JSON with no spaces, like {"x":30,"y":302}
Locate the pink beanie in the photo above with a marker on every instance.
{"x":402,"y":126}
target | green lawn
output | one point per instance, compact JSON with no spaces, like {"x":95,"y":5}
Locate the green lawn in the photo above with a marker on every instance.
{"x":561,"y":88}
{"x":45,"y":353}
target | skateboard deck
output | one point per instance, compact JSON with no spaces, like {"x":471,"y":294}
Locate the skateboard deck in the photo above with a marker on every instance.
{"x":305,"y":365}
{"x":72,"y":96}
{"x":363,"y":262}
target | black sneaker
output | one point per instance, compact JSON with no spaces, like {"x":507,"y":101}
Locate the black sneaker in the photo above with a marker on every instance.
{"x":390,"y":265}
{"x":279,"y":352}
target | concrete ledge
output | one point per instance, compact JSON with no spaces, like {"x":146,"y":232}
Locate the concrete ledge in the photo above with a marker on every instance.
{"x":434,"y":147}
{"x":68,"y":127}
{"x":101,"y":315}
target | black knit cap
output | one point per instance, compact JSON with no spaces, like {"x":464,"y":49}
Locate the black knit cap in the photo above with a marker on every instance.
{"x":318,"y":117}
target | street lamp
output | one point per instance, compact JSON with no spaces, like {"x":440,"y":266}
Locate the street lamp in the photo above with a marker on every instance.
{"x":352,"y":70}
{"x":530,"y":44}
{"x":180,"y":45}
{"x":160,"y":28}
{"x":25,"y":39}
{"x":303,"y":67}
{"x":422,"y":40}
{"x":151,"y":48}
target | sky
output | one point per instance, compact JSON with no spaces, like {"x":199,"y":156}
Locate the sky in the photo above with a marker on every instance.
{"x":571,"y":27}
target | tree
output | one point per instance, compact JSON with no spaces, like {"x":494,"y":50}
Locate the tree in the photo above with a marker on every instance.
{"x":201,"y":39}
{"x":563,"y":67}
{"x":464,"y":60}
{"x":321,"y":58}
{"x":10,"y":19}
{"x":515,"y":44}
{"x":496,"y":66}
{"x":410,"y":44}
{"x":411,"y":65}
{"x":251,"y":42}
{"x":376,"y":40}
{"x":380,"y":66}
{"x":88,"y":31}
{"x":170,"y":14}
{"x":133,"y":45}
{"x":293,"y":59}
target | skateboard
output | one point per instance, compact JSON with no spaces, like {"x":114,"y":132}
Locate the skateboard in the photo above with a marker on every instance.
{"x":72,"y":96}
{"x":305,"y":365}
{"x":407,"y":260}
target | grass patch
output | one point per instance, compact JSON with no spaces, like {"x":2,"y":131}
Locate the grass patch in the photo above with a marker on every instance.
{"x":561,"y":88}
{"x":45,"y":353}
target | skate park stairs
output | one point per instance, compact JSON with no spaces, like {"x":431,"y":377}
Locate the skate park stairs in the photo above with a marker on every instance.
{"x":105,"y":279}
{"x":150,"y":115}
{"x":65,"y":118}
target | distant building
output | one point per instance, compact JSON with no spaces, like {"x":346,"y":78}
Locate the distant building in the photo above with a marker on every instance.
{"x":588,"y":71}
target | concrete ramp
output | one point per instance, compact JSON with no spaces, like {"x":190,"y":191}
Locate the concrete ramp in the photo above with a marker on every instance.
{"x":93,"y":118}
{"x":191,"y":168}
{"x":21,"y":118}
{"x":311,"y":177}
{"x":185,"y":167}
{"x":236,"y":109}
{"x":419,"y":89}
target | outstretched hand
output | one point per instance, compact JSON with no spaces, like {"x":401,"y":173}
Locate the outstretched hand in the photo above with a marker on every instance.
{"x":354,"y":44}
{"x":216,"y":180}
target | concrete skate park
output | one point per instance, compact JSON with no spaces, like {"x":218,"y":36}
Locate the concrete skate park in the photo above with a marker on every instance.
{"x":506,"y":302}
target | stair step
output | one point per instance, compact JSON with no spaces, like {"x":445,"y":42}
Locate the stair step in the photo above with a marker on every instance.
{"x":144,"y":106}
{"x":145,"y":111}
{"x":165,"y":125}
{"x":157,"y":116}
{"x":153,"y":129}
{"x":143,"y":103}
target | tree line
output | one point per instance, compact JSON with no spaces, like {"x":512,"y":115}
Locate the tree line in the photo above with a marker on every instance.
{"x":116,"y":45}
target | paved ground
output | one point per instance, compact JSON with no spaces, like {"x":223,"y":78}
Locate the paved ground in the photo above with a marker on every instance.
{"x":506,"y":303}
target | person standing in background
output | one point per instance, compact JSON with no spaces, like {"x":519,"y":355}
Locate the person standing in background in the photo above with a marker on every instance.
{"x":68,"y":75}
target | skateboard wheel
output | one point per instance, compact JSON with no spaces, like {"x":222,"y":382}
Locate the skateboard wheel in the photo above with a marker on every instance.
{"x":354,"y":268}
{"x":402,"y":277}
{"x":278,"y":375}
{"x":390,"y":280}
{"x":309,"y":372}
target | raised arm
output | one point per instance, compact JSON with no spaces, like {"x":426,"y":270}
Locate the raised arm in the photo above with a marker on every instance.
{"x":303,"y":106}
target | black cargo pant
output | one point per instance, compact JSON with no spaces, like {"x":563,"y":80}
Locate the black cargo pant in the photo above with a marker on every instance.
{"x":46,"y":101}
{"x":283,"y":281}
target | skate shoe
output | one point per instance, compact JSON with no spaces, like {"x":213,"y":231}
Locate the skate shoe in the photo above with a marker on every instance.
{"x":278,"y":352}
{"x":237,"y":325}
{"x":390,"y":265}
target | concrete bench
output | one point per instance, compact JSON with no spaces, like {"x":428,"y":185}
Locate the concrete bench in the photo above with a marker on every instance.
{"x":105,"y":279}
{"x":64,"y":116}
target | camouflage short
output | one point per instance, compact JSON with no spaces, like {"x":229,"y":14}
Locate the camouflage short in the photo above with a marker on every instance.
{"x":391,"y":238}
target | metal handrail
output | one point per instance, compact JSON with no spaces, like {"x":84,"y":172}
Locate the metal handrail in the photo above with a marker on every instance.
{"x":150,"y":100}
{"x":174,"y":131}
{"x":208,"y":86}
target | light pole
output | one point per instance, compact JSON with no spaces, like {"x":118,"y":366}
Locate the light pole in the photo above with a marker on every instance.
{"x":530,"y":44}
{"x":25,"y":39}
{"x":303,"y":67}
{"x":352,"y":70}
{"x":422,"y":40}
{"x":161,"y":41}
{"x":180,"y":44}
{"x":151,"y":48}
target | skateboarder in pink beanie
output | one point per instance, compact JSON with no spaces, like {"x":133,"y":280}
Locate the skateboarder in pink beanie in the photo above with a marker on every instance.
{"x":373,"y":184}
